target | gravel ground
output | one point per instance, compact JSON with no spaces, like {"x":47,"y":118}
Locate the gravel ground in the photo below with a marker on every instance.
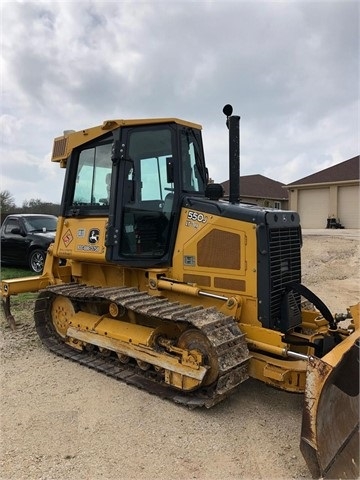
{"x":62,"y":421}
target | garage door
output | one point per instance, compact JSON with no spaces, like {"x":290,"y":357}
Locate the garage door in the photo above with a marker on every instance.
{"x":313,"y":207}
{"x":348,"y":206}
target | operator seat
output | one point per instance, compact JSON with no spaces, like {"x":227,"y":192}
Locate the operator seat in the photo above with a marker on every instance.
{"x":168,"y":203}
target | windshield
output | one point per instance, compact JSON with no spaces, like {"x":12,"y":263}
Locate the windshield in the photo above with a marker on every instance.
{"x":41,"y":224}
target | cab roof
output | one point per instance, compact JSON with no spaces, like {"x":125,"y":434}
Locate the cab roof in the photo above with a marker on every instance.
{"x":71,"y":139}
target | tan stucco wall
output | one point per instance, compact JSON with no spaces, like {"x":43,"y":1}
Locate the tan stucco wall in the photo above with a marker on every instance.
{"x":319,"y":203}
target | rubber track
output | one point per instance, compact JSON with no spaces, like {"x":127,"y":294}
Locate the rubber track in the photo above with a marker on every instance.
{"x":221,"y":330}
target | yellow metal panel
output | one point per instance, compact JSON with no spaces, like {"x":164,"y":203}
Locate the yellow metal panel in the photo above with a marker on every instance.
{"x":289,"y":375}
{"x":203,"y":280}
{"x":145,"y":354}
{"x":127,"y":332}
{"x":275,"y":373}
{"x":81,"y":239}
{"x":85,"y":321}
{"x":25,"y":284}
{"x":64,"y":144}
{"x":196,"y":226}
{"x":263,"y":335}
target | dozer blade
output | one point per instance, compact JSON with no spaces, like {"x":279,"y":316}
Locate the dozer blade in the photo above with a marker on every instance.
{"x":330,"y":424}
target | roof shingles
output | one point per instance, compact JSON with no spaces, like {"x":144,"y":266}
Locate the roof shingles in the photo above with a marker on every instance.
{"x":342,"y":172}
{"x":258,"y":186}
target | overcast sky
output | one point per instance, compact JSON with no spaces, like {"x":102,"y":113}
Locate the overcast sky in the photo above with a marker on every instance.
{"x":289,"y":68}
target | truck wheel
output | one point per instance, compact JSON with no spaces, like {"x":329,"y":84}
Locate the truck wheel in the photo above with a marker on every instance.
{"x":37,"y":260}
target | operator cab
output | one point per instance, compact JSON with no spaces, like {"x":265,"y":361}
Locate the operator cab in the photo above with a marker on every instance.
{"x":154,"y":165}
{"x":136,"y":175}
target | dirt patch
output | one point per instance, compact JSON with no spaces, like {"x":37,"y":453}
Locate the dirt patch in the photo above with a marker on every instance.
{"x":62,"y":421}
{"x":331,"y":267}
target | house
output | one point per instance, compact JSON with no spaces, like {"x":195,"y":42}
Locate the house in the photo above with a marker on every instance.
{"x":330,"y":193}
{"x":260,"y":190}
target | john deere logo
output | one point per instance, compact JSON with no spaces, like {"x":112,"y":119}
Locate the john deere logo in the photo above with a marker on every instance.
{"x":94,"y":235}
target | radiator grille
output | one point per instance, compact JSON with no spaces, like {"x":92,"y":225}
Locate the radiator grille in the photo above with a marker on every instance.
{"x":285,"y":265}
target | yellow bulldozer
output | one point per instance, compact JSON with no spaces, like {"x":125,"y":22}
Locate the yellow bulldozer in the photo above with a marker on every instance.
{"x":157,"y":279}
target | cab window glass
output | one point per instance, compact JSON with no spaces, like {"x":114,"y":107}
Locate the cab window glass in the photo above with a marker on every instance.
{"x":93,"y":176}
{"x":155,"y":184}
{"x":151,"y":152}
{"x":193,"y":169}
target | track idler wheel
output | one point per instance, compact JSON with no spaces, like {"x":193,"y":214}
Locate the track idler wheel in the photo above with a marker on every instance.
{"x":195,"y":340}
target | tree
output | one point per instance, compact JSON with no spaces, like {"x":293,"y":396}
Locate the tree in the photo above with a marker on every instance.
{"x":32,"y":204}
{"x":35,"y":205}
{"x":7,"y":204}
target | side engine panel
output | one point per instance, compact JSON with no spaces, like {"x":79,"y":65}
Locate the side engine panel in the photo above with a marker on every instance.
{"x":245,"y":251}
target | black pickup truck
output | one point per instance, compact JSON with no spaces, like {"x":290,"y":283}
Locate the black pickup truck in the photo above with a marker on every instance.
{"x":25,"y":239}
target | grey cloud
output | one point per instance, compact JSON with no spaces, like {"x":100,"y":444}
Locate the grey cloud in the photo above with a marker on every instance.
{"x":291,"y":70}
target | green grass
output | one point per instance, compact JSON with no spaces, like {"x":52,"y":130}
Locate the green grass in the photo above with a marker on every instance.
{"x":15,"y":272}
{"x":8,"y":273}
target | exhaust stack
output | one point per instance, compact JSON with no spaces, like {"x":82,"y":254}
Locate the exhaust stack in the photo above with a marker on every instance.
{"x":233,"y":124}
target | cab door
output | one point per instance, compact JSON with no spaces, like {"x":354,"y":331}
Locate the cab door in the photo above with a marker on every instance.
{"x":143,"y":195}
{"x":156,"y":167}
